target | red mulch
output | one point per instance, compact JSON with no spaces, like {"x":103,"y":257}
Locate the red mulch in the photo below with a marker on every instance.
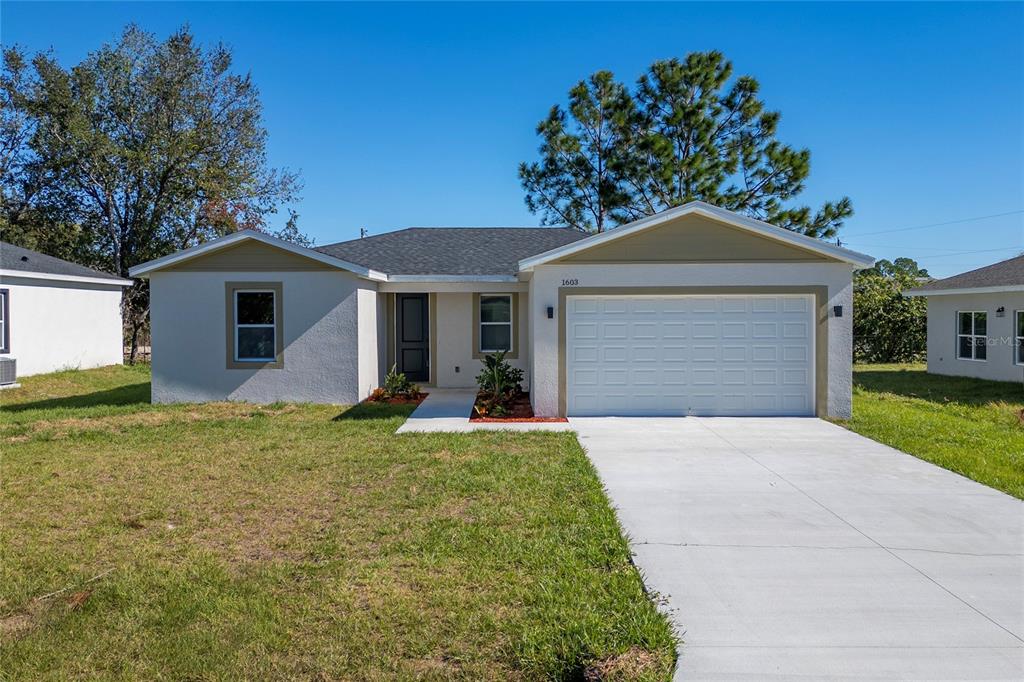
{"x":420,"y":397}
{"x":521,"y":412}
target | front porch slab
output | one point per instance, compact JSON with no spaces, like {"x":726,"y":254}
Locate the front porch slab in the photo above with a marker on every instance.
{"x":448,"y":409}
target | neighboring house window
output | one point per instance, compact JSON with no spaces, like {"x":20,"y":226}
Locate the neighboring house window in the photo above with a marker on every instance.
{"x":1019,"y":332}
{"x":5,"y":321}
{"x":495,"y":323}
{"x":254,"y":325}
{"x":972,"y":335}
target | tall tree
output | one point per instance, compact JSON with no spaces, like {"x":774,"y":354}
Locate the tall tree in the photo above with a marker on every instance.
{"x":888,"y":326}
{"x":578,"y":180}
{"x":146,"y":147}
{"x":688,"y":132}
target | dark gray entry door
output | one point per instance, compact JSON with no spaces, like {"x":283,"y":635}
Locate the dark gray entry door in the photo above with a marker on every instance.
{"x":412,"y":347}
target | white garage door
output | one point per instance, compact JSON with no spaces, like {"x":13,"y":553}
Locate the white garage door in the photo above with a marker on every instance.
{"x":699,"y":355}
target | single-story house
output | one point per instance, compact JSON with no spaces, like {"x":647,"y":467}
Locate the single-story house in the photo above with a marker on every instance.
{"x":55,"y":314}
{"x":976,"y":322}
{"x":695,"y":310}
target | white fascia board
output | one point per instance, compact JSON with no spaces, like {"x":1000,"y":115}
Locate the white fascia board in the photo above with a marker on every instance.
{"x":976,"y":290}
{"x":858,"y":260}
{"x":235,"y":237}
{"x":452,"y":278}
{"x":116,"y":281}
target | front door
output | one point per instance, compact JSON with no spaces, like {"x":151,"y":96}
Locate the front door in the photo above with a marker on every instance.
{"x":412,"y":343}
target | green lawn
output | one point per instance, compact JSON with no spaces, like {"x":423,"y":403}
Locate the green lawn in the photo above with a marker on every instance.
{"x":230,"y":541}
{"x":969,"y":426}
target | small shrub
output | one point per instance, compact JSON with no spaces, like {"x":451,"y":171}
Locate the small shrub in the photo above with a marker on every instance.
{"x":499,"y":384}
{"x":397,"y":385}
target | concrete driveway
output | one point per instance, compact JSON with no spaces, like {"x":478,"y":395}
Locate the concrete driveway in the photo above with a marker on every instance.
{"x":793,"y":548}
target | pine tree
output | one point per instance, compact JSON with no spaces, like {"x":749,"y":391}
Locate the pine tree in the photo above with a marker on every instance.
{"x":689,"y":131}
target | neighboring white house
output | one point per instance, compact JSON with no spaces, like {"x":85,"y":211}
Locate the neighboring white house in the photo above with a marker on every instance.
{"x":696,"y":310}
{"x":976,"y":322}
{"x":55,"y":314}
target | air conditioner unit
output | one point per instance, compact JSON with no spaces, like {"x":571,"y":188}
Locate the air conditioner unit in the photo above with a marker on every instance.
{"x":8,"y":371}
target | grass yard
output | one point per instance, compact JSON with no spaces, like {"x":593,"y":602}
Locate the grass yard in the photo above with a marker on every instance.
{"x":299,"y":541}
{"x":969,"y":426}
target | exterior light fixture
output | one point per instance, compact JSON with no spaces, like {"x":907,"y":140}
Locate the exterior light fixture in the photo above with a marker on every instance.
{"x":551,"y":312}
{"x":837,"y":310}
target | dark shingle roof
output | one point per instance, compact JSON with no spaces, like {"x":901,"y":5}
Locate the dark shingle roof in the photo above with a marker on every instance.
{"x":25,"y":260}
{"x":1006,"y":273}
{"x":452,"y":250}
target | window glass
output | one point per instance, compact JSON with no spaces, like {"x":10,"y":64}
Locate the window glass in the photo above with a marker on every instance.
{"x":965,"y":347}
{"x":495,"y":309}
{"x":255,"y":343}
{"x":255,"y":307}
{"x":980,"y":323}
{"x":495,"y":337}
{"x":965,"y":323}
{"x":255,"y":331}
{"x":1020,"y":353}
{"x":980,"y":348}
{"x":1020,"y":323}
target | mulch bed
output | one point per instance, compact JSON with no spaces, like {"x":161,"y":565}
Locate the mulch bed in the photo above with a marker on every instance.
{"x":521,"y":412}
{"x":420,"y":397}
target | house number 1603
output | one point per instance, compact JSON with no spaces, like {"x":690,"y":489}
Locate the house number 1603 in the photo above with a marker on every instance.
{"x":570,"y":282}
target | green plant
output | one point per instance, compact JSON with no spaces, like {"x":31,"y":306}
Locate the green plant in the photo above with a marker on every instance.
{"x":499,"y":384}
{"x":397,"y":385}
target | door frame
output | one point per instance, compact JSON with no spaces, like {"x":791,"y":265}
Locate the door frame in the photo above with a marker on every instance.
{"x":391,"y":332}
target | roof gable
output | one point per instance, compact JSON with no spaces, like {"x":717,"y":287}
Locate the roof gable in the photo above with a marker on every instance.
{"x":249,"y":255}
{"x":262,"y":252}
{"x":719,"y":220}
{"x":693,"y":238}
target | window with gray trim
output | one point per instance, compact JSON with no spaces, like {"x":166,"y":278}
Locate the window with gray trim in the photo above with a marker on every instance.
{"x":255,"y":325}
{"x":495,"y":322}
{"x":972,"y":335}
{"x":5,"y":321}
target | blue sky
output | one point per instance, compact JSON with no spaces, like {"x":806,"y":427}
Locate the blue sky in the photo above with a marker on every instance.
{"x":402,"y":115}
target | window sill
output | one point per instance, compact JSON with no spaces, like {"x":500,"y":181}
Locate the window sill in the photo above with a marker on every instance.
{"x":256,"y":364}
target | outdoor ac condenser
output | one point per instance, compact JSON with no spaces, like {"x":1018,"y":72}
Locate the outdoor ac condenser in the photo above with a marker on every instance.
{"x":8,"y":371}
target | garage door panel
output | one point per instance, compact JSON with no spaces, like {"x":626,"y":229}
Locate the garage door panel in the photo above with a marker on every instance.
{"x":678,"y":355}
{"x":615,"y":353}
{"x":705,"y":353}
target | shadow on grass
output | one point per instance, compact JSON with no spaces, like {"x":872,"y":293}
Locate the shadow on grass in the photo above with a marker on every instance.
{"x":132,"y":394}
{"x":365,"y":411}
{"x":939,"y":389}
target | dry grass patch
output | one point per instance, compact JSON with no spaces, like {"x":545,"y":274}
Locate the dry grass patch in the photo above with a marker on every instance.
{"x":300,"y":541}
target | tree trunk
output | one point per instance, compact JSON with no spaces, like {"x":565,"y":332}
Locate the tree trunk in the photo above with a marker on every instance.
{"x":135,"y":341}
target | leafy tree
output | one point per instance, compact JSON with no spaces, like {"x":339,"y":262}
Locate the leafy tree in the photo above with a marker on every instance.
{"x":688,"y":132}
{"x":144,"y":148}
{"x":888,"y":326}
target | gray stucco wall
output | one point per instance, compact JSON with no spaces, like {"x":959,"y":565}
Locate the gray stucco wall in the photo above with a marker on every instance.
{"x":942,"y":336}
{"x":455,"y":340}
{"x":320,"y":330}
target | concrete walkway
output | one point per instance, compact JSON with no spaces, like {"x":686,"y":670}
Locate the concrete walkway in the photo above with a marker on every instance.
{"x":792,"y":548}
{"x":448,"y":409}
